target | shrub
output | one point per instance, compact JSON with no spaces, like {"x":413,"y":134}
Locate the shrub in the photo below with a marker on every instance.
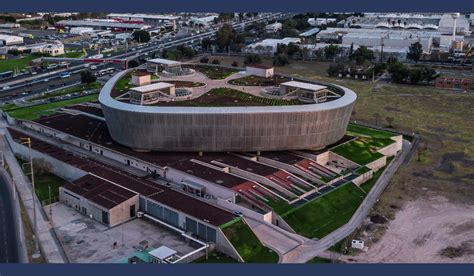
{"x":235,"y":64}
{"x":215,"y":61}
{"x":204,"y":60}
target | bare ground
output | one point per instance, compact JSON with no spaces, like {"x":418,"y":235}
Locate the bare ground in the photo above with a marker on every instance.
{"x":432,"y":230}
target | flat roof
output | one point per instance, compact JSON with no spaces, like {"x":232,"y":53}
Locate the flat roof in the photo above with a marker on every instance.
{"x":145,"y":16}
{"x":304,"y":85}
{"x":108,"y":24}
{"x":239,"y":162}
{"x":163,"y":61}
{"x":311,"y":32}
{"x":162,"y":252}
{"x":99,"y":191}
{"x":261,"y":66}
{"x":161,"y":194}
{"x":152,"y":87}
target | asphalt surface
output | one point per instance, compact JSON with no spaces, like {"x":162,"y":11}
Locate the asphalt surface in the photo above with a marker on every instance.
{"x":9,"y":243}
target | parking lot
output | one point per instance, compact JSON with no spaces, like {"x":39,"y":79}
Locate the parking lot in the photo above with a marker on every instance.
{"x":87,"y":241}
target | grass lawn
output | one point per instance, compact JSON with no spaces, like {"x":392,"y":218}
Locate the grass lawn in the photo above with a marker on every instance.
{"x":321,"y":216}
{"x":18,"y":63}
{"x":35,"y":112}
{"x":216,"y":258}
{"x":230,"y":97}
{"x":70,"y":90}
{"x":43,"y":181}
{"x":367,"y":186}
{"x":247,"y":244}
{"x":214,"y":73}
{"x":319,"y":260}
{"x":358,"y":130}
{"x":279,"y":206}
{"x":362,"y":150}
{"x":74,"y":54}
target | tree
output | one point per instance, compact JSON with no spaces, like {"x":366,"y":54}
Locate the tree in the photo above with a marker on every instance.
{"x":235,"y":64}
{"x":225,"y":36}
{"x":281,"y":59}
{"x":415,"y":76}
{"x":398,"y":71}
{"x":206,"y":43}
{"x":415,"y":51}
{"x":204,"y":60}
{"x":88,"y":77}
{"x":331,"y":51}
{"x":133,"y":64}
{"x":216,"y":61}
{"x":252,"y":59}
{"x":141,"y":36}
{"x":428,"y":74}
{"x":362,"y":54}
{"x":335,"y":69}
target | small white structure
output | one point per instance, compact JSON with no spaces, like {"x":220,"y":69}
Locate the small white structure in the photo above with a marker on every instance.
{"x":358,"y":244}
{"x":259,"y":70}
{"x":160,"y":64}
{"x":162,"y":255}
{"x":305,"y":91}
{"x":273,"y":28}
{"x":152,"y":93}
{"x":53,"y":49}
{"x":320,"y":21}
{"x":141,"y":78}
{"x":81,"y":30}
{"x":7,"y":40}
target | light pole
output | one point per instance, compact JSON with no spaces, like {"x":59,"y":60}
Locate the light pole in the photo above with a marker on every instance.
{"x":37,"y":253}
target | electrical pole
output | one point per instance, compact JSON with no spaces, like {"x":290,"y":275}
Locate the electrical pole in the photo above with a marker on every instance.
{"x":36,"y":253}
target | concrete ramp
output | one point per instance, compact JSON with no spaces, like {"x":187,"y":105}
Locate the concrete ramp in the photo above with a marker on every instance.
{"x":273,"y":238}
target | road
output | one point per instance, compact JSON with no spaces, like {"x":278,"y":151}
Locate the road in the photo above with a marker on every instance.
{"x":149,"y":48}
{"x":9,"y":238}
{"x":312,"y":248}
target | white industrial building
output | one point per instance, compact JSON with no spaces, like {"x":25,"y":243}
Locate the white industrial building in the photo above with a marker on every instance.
{"x":269,"y":46}
{"x":204,"y":21}
{"x":53,"y":49}
{"x":400,"y":39}
{"x":7,"y":40}
{"x":273,"y":28}
{"x":321,"y":21}
{"x":449,"y":22}
{"x":81,"y":30}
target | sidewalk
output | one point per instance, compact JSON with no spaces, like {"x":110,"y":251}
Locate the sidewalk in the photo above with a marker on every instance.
{"x":49,"y":245}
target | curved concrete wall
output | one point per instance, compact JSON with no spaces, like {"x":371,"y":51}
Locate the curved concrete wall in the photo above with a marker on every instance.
{"x":226,"y":128}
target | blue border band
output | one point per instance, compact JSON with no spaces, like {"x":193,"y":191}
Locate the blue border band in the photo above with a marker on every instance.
{"x":238,"y":5}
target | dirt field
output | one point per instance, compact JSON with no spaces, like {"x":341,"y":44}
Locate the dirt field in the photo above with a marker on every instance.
{"x":425,"y":231}
{"x":445,"y":121}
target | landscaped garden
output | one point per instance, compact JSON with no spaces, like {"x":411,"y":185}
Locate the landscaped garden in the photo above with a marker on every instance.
{"x":215,"y":73}
{"x":259,"y":81}
{"x":247,"y":244}
{"x":323,"y":215}
{"x":363,"y":150}
{"x":230,"y":97}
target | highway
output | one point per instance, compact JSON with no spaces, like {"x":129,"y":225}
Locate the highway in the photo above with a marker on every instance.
{"x":9,"y":235}
{"x":149,"y":48}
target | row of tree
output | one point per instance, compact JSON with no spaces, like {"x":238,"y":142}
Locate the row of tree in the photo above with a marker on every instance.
{"x":401,"y":73}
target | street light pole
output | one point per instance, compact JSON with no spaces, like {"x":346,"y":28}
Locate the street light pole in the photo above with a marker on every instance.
{"x":37,"y":253}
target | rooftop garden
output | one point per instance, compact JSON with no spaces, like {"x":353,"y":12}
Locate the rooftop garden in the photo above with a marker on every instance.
{"x":247,"y":244}
{"x":321,"y":216}
{"x":218,"y":97}
{"x":215,"y":73}
{"x":363,"y":150}
{"x":259,"y":81}
{"x":359,"y":130}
